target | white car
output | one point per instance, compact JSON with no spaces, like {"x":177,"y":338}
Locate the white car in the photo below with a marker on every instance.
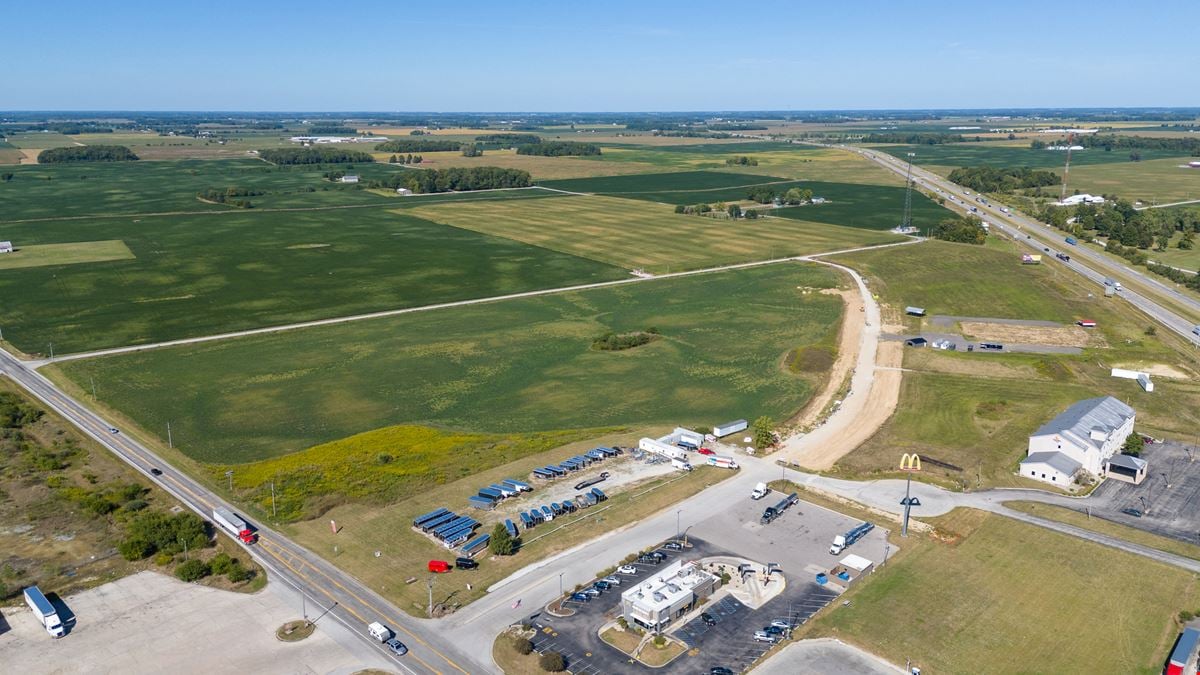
{"x":763,"y":636}
{"x":627,"y":569}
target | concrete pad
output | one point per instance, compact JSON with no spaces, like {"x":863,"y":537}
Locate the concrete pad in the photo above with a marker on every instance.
{"x":825,"y":657}
{"x":153,"y":623}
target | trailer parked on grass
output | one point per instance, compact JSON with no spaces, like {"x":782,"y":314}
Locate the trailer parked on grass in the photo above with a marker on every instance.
{"x":730,"y":428}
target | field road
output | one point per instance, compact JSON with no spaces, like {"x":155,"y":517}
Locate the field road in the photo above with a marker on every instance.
{"x":447,"y":305}
{"x":1039,"y":236}
{"x":350,"y":603}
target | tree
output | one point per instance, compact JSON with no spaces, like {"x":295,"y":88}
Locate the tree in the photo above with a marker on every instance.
{"x":523,"y":646}
{"x":796,"y":196}
{"x":763,"y":431}
{"x":552,"y":662}
{"x":192,"y":570}
{"x":1133,"y":444}
{"x":471,"y":150}
{"x":135,"y":549}
{"x":734,"y":211}
{"x":967,"y":230}
{"x":501,"y":542}
{"x":751,"y":214}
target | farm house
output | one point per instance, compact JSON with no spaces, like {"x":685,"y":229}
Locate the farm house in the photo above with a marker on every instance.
{"x":6,"y":247}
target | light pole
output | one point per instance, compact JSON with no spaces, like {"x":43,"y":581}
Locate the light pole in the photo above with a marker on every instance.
{"x":560,"y":588}
{"x":274,"y":513}
{"x":430,"y":585}
{"x":229,"y":475}
{"x":677,"y":522}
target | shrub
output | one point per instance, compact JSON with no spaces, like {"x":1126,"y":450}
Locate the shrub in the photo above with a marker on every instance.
{"x":237,"y":574}
{"x":660,"y":641}
{"x":552,"y":662}
{"x":221,"y":563}
{"x":134,"y":505}
{"x":135,"y":548}
{"x":192,"y":570}
{"x":163,"y":559}
{"x":523,"y":646}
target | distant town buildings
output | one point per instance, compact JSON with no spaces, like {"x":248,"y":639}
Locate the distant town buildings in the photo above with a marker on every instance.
{"x":321,"y":140}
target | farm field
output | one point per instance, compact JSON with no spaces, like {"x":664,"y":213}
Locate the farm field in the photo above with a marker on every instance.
{"x":515,"y":366}
{"x":540,"y":168}
{"x":997,"y":587}
{"x":641,"y":235}
{"x":65,"y":254}
{"x":943,"y":158}
{"x":212,"y":273}
{"x":95,"y":189}
{"x":975,"y":410}
{"x":1150,"y":181}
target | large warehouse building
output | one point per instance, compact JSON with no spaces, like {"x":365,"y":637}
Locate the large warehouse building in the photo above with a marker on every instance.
{"x":1082,"y":438}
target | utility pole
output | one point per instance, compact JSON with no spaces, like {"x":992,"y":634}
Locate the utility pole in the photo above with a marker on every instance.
{"x":430,"y":585}
{"x":170,"y":441}
{"x":93,"y":381}
{"x":51,"y":350}
{"x":560,"y":588}
{"x":274,"y":513}
{"x":906,"y":220}
{"x":677,"y":522}
{"x":229,"y":475}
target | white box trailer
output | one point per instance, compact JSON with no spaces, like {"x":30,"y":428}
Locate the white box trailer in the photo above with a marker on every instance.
{"x":660,"y":448}
{"x":686,"y":436}
{"x":730,"y":428}
{"x":44,"y":611}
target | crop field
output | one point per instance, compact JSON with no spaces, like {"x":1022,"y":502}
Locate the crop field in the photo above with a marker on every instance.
{"x":1151,"y":181}
{"x":212,"y":273}
{"x":92,"y":189}
{"x":945,"y":157}
{"x":65,"y":254}
{"x":514,"y":366}
{"x":547,"y":168}
{"x":677,"y":181}
{"x":1000,"y":595}
{"x":637,"y":234}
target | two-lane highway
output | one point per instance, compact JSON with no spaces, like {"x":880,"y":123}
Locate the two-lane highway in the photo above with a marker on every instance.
{"x":349,"y":601}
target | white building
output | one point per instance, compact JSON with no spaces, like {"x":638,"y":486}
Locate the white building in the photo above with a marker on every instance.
{"x":404,"y":192}
{"x":1075,"y":200}
{"x":6,"y":247}
{"x":1081,"y":438}
{"x":348,"y":179}
{"x":674,"y":590}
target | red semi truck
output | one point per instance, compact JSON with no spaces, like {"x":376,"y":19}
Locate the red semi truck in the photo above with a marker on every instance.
{"x":234,"y":525}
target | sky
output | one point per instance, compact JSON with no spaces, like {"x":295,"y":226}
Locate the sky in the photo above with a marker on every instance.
{"x":618,"y":55}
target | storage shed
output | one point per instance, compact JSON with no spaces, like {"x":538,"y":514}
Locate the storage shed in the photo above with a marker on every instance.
{"x":730,"y":428}
{"x":1126,"y":468}
{"x":6,"y":247}
{"x":914,"y":311}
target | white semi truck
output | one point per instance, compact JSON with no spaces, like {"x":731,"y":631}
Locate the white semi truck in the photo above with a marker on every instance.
{"x":44,"y":611}
{"x":761,"y":490}
{"x":234,"y":525}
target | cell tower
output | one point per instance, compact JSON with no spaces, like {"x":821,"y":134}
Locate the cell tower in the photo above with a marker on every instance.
{"x":906,"y":222}
{"x":1067,"y":167}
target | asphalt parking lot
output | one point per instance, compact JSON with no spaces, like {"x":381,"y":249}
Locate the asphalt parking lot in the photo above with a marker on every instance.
{"x":1167,"y":497}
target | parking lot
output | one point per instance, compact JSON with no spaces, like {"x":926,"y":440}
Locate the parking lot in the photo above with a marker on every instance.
{"x":1167,"y":498}
{"x":798,"y":541}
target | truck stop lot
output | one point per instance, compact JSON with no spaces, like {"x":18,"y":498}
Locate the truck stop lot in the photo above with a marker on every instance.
{"x":1167,"y":511}
{"x":798,"y":541}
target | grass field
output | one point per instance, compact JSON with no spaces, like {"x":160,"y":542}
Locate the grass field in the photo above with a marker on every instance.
{"x":541,"y":168}
{"x":638,"y":234}
{"x":1151,"y":181}
{"x":664,"y":183}
{"x":1004,"y":596}
{"x":1097,"y":524}
{"x":203,"y":274}
{"x":942,"y":158}
{"x":514,"y":366}
{"x":65,"y":254}
{"x":975,"y":411}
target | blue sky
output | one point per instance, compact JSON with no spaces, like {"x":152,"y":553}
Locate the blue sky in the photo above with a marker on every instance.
{"x":613,"y":56}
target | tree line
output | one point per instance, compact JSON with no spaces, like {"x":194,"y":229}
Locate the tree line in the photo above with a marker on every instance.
{"x":509,"y":140}
{"x":559,"y":149}
{"x":455,"y":179}
{"x":741,"y":160}
{"x":1189,"y":146}
{"x":792,"y":196}
{"x":967,"y":230}
{"x":405,"y":159}
{"x":86,"y":153}
{"x":418,"y":145}
{"x":992,"y":179}
{"x":915,"y":138}
{"x":230,"y":195}
{"x":331,"y":130}
{"x":316,"y":155}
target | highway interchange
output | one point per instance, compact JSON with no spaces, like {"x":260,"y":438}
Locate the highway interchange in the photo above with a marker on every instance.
{"x":461,"y":643}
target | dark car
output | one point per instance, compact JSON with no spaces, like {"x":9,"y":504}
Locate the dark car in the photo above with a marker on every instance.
{"x":658,"y":555}
{"x":602,"y":585}
{"x":581,"y":597}
{"x":465,"y":563}
{"x":708,"y":619}
{"x":1132,"y":512}
{"x":991,"y":345}
{"x":673,"y":546}
{"x":719,"y":670}
{"x":773,"y":630}
{"x":647,"y":560}
{"x":155,"y":471}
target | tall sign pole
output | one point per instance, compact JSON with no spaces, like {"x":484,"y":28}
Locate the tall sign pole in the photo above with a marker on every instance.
{"x":906,"y":221}
{"x":909,"y":464}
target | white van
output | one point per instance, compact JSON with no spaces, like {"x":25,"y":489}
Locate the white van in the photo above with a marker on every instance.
{"x":380,"y":632}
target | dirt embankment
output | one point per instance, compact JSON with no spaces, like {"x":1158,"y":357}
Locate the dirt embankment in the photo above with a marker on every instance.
{"x":847,"y":355}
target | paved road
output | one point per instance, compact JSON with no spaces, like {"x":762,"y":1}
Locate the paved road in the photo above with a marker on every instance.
{"x":446,"y":305}
{"x":1097,"y":267}
{"x":325,"y":585}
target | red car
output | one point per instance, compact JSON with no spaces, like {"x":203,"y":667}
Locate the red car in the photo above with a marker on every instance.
{"x":439,"y":566}
{"x":705,"y":451}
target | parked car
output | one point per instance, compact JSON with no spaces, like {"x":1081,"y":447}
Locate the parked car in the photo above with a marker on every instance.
{"x":658,"y":555}
{"x":611,"y":580}
{"x":647,"y":560}
{"x":465,"y":563}
{"x":1136,"y":513}
{"x":673,"y":546}
{"x":706,"y":451}
{"x":602,"y":585}
{"x":773,"y":630}
{"x":593,"y":592}
{"x":397,"y":647}
{"x":581,"y":597}
{"x":762,"y":636}
{"x":991,"y":345}
{"x":708,"y":619}
{"x":782,"y":623}
{"x":627,"y":569}
{"x":719,"y":670}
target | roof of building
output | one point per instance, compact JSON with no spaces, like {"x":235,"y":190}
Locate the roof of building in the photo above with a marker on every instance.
{"x":1103,"y":415}
{"x":1186,"y":646}
{"x":856,"y":562}
{"x":668,"y":586}
{"x":1128,"y":462}
{"x":1055,"y":460}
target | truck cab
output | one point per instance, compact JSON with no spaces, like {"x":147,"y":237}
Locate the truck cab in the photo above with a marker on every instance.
{"x":839,"y":544}
{"x":761,"y":490}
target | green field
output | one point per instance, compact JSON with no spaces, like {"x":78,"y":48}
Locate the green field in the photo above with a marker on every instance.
{"x":65,"y":254}
{"x":637,"y":234}
{"x":1008,"y":597}
{"x":952,"y":155}
{"x":513,"y":366}
{"x":1151,"y":181}
{"x":204,"y":274}
{"x":641,"y":185}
